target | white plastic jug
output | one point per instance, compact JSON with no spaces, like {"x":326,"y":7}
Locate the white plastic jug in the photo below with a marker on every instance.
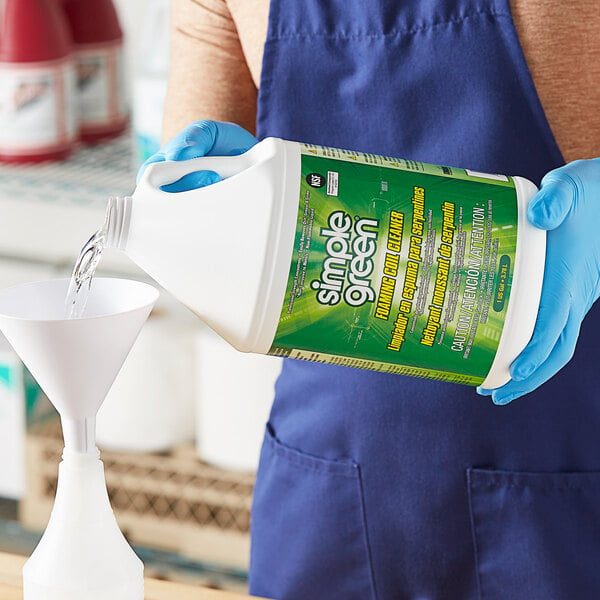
{"x":354,"y":259}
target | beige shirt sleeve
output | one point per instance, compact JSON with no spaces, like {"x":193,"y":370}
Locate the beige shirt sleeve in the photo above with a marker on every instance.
{"x":209,"y":77}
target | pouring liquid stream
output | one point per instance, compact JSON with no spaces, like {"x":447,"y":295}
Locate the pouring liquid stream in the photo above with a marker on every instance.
{"x":83,"y":273}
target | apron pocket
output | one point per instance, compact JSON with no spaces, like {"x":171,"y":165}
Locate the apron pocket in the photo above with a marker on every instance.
{"x":308,"y":527}
{"x":536,"y":535}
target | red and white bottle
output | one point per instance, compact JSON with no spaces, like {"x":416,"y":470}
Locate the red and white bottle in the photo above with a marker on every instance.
{"x":98,"y":48}
{"x":37,"y":82}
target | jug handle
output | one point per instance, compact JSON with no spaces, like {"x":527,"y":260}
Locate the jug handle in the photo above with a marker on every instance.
{"x":165,"y":172}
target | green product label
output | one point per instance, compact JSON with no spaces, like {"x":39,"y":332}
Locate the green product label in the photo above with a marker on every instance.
{"x":399,"y":266}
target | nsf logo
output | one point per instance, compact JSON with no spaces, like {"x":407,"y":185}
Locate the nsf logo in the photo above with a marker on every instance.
{"x":315,"y":180}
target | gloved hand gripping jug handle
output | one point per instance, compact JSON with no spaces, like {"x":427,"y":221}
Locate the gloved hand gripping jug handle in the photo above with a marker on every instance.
{"x":163,"y":173}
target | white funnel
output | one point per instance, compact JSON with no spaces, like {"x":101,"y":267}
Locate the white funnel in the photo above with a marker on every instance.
{"x":75,"y":361}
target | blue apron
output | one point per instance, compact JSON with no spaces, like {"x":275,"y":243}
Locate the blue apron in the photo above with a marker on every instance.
{"x":376,"y":486}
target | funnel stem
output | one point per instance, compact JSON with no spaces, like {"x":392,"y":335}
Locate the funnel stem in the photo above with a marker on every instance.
{"x":79,"y":434}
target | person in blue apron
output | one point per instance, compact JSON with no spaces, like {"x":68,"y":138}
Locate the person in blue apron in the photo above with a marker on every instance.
{"x":375,"y":486}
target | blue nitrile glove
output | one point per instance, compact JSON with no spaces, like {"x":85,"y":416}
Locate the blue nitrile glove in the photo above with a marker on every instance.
{"x":568,"y":206}
{"x":202,"y":138}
